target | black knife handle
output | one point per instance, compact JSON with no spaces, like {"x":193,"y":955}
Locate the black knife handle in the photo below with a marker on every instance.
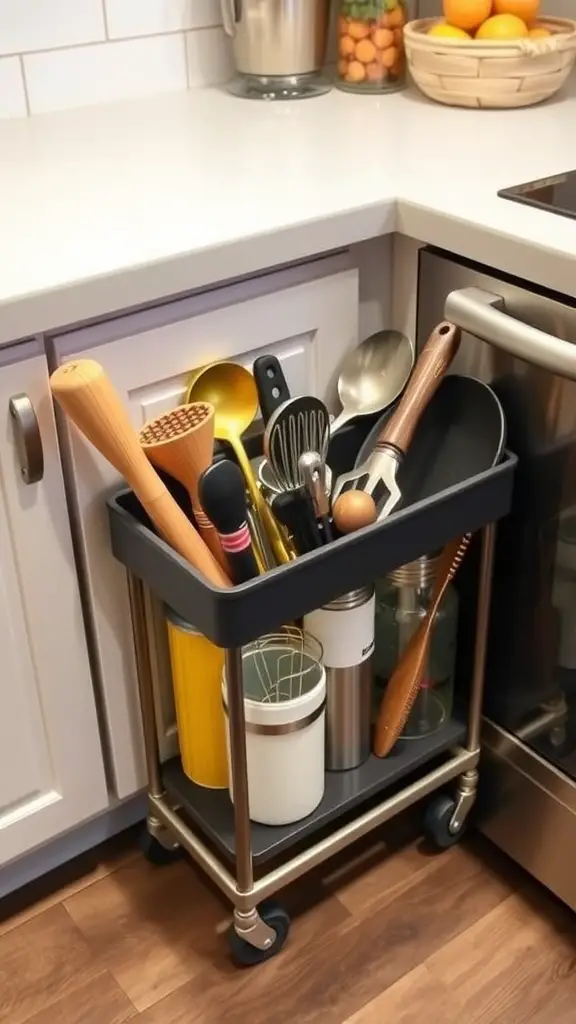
{"x":295,"y":511}
{"x":270,"y":384}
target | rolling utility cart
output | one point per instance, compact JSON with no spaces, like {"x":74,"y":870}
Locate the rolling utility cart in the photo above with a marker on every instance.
{"x":219,"y":835}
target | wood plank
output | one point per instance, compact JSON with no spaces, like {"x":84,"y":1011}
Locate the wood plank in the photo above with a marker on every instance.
{"x":385,"y":932}
{"x":72,"y":877}
{"x":348,"y":965}
{"x":42,"y":961}
{"x":382,"y":872}
{"x":514,"y":965}
{"x":100,"y":1001}
{"x":415,"y":999}
{"x":208,"y":999}
{"x":153,"y":928}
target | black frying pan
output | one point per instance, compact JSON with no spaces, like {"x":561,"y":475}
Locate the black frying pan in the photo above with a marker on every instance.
{"x":461,"y":433}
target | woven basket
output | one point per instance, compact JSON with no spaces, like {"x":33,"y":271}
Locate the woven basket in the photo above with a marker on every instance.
{"x":475,"y":73}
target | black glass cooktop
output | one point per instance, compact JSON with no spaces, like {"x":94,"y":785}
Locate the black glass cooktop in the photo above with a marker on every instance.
{"x":556,"y":194}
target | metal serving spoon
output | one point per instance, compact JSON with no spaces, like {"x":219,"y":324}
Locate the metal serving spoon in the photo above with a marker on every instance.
{"x":373,"y":376}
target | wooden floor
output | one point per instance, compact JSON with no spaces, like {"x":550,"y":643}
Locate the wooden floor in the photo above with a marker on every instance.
{"x":393,"y":935}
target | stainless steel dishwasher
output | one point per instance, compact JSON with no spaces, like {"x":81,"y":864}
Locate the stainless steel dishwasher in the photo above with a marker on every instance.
{"x":522,"y":340}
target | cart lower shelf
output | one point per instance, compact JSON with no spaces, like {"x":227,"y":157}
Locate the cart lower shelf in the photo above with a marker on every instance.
{"x":211,"y":811}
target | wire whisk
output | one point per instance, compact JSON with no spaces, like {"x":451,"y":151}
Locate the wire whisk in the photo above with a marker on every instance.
{"x":282,"y":666}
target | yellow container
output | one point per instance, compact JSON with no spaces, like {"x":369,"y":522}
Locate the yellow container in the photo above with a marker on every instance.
{"x":197,"y":676}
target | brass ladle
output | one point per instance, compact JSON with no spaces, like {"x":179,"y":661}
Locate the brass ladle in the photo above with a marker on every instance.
{"x":231,"y":389}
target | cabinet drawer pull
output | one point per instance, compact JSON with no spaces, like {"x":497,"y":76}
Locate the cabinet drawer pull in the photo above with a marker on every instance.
{"x":27,"y":439}
{"x":484,"y":314}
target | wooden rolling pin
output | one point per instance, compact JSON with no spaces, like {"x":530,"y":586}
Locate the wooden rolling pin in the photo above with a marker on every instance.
{"x":85,"y":394}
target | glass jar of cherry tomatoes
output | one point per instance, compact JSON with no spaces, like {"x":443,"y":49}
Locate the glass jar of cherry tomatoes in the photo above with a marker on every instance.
{"x":371,"y":45}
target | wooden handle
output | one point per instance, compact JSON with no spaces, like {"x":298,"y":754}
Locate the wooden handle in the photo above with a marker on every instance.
{"x":86,"y":395}
{"x":404,"y":683}
{"x":433,"y":362}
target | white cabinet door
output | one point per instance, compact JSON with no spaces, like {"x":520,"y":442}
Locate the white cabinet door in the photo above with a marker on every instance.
{"x":307,"y":316}
{"x":51,"y":764}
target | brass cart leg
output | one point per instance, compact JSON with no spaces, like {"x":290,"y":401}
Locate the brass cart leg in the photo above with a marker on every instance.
{"x":144,"y":673}
{"x":247,"y":922}
{"x":468,"y":782}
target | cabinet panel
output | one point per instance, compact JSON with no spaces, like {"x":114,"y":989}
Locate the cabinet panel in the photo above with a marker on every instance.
{"x":51,"y":765}
{"x":309,"y":325}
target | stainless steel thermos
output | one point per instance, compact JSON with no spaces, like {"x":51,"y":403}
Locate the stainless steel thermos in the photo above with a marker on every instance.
{"x":279,"y":46}
{"x":345,"y":628}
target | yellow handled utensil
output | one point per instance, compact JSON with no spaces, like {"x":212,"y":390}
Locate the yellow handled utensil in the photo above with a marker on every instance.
{"x":231,"y":389}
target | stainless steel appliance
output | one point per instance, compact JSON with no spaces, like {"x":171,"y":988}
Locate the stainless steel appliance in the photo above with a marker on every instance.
{"x":279,"y":47}
{"x":522,"y":340}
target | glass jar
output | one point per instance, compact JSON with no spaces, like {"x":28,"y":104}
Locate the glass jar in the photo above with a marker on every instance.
{"x":371,"y":45}
{"x":402,"y":601}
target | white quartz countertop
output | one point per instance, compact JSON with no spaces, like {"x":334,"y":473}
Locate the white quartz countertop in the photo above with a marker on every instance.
{"x":105,"y":208}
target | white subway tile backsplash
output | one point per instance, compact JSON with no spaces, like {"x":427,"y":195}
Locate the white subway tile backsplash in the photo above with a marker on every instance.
{"x":27,"y":25}
{"x":83,"y":52}
{"x":87,"y":75}
{"x":12,"y":95}
{"x":151,"y":17}
{"x":209,"y":57}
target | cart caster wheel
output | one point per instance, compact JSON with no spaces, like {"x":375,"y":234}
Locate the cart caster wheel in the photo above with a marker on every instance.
{"x":155,"y":853}
{"x":246,"y":955}
{"x":437,"y":818}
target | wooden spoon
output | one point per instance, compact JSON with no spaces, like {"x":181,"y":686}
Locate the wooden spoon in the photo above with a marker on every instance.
{"x":85,"y":394}
{"x":404,"y":683}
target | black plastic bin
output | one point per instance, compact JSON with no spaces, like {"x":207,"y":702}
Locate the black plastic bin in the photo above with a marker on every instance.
{"x":231,"y":618}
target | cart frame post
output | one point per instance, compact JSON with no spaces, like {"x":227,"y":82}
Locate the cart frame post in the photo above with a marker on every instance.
{"x":145,"y":687}
{"x":247,"y":921}
{"x":481,"y":638}
{"x":156,"y":828}
{"x":239,"y":768}
{"x":468,"y":781}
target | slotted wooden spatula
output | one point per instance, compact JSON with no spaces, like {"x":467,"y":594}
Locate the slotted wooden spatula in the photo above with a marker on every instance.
{"x":404,"y":683}
{"x":381,"y":467}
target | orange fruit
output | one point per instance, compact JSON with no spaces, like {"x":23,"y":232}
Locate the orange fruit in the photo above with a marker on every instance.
{"x":346,"y":46}
{"x":388,"y":57}
{"x":384,"y":21}
{"x":466,"y":14}
{"x":342,"y":68}
{"x":382,"y":38}
{"x":375,"y":72}
{"x":358,"y":30}
{"x":502,"y":26}
{"x":343,"y":25}
{"x":356,"y":72}
{"x":396,"y":17}
{"x":539,"y":32}
{"x":398,"y":36}
{"x":525,"y":9}
{"x":365,"y":51}
{"x":448,"y":32}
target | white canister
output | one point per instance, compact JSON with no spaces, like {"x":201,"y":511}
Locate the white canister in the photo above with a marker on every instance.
{"x":284,"y":735}
{"x":345,"y":628}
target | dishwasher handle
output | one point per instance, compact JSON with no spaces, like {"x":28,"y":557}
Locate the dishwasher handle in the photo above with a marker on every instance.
{"x":483,"y":314}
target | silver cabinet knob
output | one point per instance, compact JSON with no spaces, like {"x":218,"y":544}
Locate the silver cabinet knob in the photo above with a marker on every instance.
{"x":27,"y":438}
